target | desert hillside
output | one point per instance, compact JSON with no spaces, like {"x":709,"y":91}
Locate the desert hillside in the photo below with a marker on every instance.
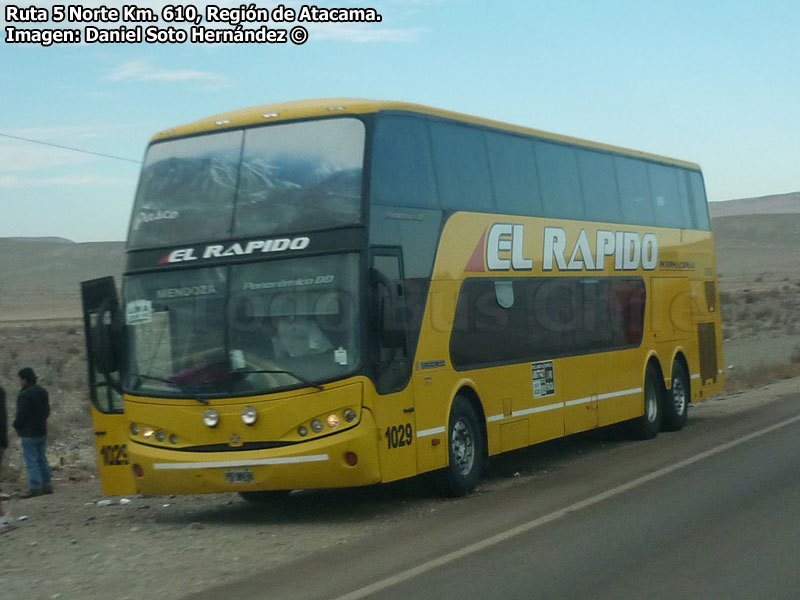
{"x":758,"y":245}
{"x":764,"y":205}
{"x":40,"y":277}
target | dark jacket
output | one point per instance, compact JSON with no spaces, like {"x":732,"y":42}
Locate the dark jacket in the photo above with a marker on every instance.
{"x":3,"y":420}
{"x":33,"y":408}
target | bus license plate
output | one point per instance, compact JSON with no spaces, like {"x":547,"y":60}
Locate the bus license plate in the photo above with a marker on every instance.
{"x":239,"y":476}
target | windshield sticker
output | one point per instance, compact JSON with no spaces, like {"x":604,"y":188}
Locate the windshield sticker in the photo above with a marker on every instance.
{"x":138,"y":312}
{"x":543,"y":381}
{"x":237,"y":360}
{"x":184,"y":292}
{"x":340,"y":356}
{"x":149,"y":217}
{"x":284,"y":283}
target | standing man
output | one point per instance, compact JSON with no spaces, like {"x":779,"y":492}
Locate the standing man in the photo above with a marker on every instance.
{"x":33,"y":408}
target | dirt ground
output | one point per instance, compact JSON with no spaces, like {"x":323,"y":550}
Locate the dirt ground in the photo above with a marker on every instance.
{"x":76,"y":544}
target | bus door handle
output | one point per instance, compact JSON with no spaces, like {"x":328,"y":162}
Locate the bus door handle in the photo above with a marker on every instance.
{"x":99,"y":433}
{"x":410,"y":409}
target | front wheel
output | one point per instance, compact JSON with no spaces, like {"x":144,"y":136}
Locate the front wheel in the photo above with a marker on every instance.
{"x":466,"y":449}
{"x":676,"y":402}
{"x":646,"y":427}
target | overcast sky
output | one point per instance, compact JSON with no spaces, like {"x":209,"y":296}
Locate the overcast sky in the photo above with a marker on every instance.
{"x":710,"y":82}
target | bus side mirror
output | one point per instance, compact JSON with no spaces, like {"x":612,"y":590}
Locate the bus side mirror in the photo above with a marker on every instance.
{"x":105,"y":338}
{"x":391,"y":318}
{"x":393,"y":330}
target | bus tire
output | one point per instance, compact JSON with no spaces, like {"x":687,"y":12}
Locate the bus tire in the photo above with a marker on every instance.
{"x":465,"y":446}
{"x":647,"y":426}
{"x":676,"y":400}
{"x":264,"y":496}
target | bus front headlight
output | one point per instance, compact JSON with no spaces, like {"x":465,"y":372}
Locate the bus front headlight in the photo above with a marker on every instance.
{"x":211,"y":418}
{"x":249,"y":415}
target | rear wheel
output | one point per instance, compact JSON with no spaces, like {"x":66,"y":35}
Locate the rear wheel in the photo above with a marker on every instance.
{"x":676,"y":401}
{"x":466,"y":449}
{"x":646,"y":427}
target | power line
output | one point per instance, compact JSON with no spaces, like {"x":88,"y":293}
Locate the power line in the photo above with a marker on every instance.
{"x":16,"y":137}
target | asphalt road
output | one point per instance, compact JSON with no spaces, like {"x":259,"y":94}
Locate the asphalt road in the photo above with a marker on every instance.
{"x":709,"y":512}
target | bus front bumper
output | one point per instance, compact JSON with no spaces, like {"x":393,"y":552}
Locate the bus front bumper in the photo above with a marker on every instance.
{"x":321,"y":463}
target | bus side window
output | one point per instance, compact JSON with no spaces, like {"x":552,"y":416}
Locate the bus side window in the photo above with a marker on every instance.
{"x":626,"y":304}
{"x":402,"y":167}
{"x":462,"y":167}
{"x":557,"y":165}
{"x":698,"y":200}
{"x":667,"y":204}
{"x":599,"y":184}
{"x":634,"y":190}
{"x":515,"y":182}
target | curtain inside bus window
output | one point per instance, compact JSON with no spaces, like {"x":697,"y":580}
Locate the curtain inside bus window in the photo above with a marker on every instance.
{"x":626,"y":306}
{"x":175,"y":330}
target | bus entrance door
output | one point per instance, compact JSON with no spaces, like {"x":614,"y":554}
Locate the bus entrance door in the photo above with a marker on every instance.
{"x":100,"y":319}
{"x":394,"y":412}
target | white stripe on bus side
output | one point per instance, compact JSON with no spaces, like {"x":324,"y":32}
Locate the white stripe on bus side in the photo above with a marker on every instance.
{"x":427,"y":432}
{"x":242,"y":463}
{"x":620,"y":393}
{"x":576,"y":402}
{"x":579,"y":401}
{"x":537,"y":409}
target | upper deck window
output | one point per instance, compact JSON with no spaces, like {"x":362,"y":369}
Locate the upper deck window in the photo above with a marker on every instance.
{"x":462,"y":167}
{"x":432,"y":163}
{"x":287,"y":178}
{"x":402,"y":167}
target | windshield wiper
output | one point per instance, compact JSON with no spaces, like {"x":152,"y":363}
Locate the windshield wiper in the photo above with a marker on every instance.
{"x":186,"y":389}
{"x":299,"y":378}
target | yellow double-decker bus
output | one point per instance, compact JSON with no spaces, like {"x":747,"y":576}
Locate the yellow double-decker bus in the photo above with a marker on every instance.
{"x":342,"y":292}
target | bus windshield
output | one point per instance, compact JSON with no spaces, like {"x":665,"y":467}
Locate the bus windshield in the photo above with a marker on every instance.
{"x":244,"y":329}
{"x":293,"y":177}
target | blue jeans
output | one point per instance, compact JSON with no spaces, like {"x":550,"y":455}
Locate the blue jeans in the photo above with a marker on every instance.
{"x":34,"y":450}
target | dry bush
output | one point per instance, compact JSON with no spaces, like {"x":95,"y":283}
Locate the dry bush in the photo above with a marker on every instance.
{"x":760,"y":376}
{"x":765,"y":312}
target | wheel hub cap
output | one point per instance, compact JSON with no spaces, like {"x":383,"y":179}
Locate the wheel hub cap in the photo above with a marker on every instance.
{"x":678,"y":396}
{"x":463,"y":446}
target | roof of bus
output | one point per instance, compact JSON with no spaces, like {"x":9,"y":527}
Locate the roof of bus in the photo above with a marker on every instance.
{"x":303,"y":109}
